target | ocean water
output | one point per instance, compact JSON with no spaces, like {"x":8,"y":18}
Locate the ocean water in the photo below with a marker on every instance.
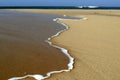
{"x":59,"y":7}
{"x":23,"y":47}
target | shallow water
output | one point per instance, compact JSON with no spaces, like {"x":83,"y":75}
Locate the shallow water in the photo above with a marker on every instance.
{"x":23,"y":49}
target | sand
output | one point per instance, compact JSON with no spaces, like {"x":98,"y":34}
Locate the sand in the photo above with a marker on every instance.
{"x":94,"y":43}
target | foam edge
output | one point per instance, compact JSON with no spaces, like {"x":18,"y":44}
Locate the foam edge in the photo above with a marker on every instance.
{"x":65,"y":51}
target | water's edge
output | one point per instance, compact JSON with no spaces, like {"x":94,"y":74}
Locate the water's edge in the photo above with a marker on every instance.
{"x":65,"y":51}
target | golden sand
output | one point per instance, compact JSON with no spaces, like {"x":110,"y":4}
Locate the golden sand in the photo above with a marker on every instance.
{"x":94,"y":43}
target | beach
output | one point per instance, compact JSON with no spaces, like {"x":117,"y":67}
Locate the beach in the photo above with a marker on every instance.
{"x":24,"y":47}
{"x":94,"y":43}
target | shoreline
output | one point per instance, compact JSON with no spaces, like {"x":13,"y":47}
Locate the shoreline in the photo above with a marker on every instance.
{"x":65,"y":51}
{"x":91,"y":66}
{"x":93,"y":43}
{"x":23,"y":45}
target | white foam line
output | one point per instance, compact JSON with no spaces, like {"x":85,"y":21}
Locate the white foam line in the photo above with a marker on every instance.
{"x":65,"y":51}
{"x":69,"y":19}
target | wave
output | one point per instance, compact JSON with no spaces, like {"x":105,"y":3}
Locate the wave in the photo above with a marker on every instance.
{"x":87,"y":6}
{"x":65,"y":51}
{"x":59,"y":7}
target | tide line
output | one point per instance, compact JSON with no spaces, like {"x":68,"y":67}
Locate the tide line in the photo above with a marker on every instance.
{"x":65,"y":51}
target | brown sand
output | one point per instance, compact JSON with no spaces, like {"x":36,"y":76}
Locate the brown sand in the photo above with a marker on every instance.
{"x":94,"y":43}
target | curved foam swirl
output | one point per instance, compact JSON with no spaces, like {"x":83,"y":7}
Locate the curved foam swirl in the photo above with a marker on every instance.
{"x":65,"y":51}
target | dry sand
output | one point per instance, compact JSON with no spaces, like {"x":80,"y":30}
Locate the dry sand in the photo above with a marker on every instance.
{"x":94,"y":43}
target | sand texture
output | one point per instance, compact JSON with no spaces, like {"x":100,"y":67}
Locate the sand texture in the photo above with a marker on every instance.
{"x":94,"y":43}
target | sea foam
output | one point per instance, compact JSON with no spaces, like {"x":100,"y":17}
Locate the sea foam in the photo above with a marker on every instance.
{"x":65,"y":51}
{"x":87,"y":6}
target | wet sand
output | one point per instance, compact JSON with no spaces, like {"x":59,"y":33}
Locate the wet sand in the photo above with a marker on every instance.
{"x":94,"y":43}
{"x":23,"y":49}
